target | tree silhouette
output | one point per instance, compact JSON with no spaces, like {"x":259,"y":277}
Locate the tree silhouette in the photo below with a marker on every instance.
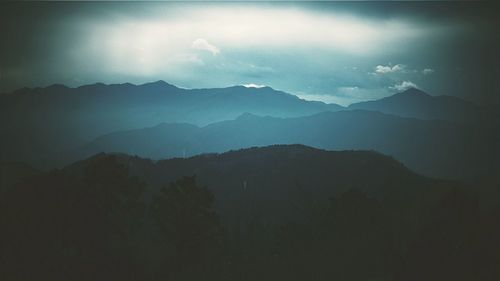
{"x":350,"y":241}
{"x":448,"y":246}
{"x":60,"y":226}
{"x":116,"y":194}
{"x":189,"y":227}
{"x":361,"y":236}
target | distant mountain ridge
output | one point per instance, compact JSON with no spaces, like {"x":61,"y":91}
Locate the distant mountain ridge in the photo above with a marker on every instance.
{"x":40,"y":125}
{"x":58,"y":117}
{"x":418,"y":104}
{"x":432,"y":147}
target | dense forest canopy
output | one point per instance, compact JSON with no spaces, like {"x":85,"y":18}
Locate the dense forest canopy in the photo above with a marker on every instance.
{"x":115,"y":217}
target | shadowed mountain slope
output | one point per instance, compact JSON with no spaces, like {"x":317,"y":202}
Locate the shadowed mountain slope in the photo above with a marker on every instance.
{"x":274,"y":182}
{"x":279,"y":206}
{"x":13,"y":172}
{"x":432,"y":147}
{"x":418,"y":104}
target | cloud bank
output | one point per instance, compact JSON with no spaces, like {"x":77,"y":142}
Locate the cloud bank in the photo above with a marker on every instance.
{"x":312,"y":49}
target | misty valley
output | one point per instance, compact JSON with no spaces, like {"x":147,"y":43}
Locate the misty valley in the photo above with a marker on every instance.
{"x":249,"y":140}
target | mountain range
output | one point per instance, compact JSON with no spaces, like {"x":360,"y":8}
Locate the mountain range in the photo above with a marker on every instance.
{"x":418,"y":104}
{"x":244,"y":183}
{"x":439,"y":136}
{"x":431,"y":147}
{"x":36,"y":123}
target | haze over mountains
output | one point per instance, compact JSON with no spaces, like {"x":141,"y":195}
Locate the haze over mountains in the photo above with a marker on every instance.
{"x":279,"y":206}
{"x":41,"y":121}
{"x":418,"y":104}
{"x":437,"y":136}
{"x":238,"y":168}
{"x":432,"y":147}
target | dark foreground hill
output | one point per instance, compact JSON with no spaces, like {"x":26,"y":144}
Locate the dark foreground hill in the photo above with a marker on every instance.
{"x":276,"y":178}
{"x":432,"y":147}
{"x":285,"y":212}
{"x":13,"y":172}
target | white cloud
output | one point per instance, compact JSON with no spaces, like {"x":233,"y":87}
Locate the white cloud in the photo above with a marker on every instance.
{"x":382,"y":69}
{"x":252,"y":85}
{"x":428,"y":71}
{"x":202,"y":44}
{"x":405,"y":85}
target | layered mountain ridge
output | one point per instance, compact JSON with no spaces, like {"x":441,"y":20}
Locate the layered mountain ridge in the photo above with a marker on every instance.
{"x":435,"y":135}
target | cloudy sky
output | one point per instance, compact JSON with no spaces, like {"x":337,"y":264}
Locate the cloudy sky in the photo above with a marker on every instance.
{"x":339,"y":52}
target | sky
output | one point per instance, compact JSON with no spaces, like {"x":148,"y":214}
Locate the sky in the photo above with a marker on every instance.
{"x":336,"y":52}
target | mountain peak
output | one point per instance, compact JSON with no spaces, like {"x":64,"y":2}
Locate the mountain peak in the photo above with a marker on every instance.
{"x":57,"y":87}
{"x":413,"y":92}
{"x":159,"y":83}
